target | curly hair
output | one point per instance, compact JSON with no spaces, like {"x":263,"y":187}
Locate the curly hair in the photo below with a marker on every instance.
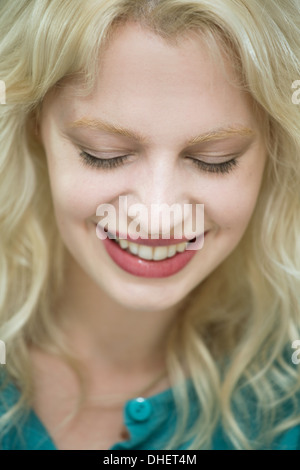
{"x":238,"y":325}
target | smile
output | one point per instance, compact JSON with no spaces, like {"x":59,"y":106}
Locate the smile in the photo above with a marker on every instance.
{"x":151,"y":260}
{"x":151,"y":253}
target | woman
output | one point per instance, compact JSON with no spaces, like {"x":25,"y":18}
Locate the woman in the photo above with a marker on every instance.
{"x":136,"y":344}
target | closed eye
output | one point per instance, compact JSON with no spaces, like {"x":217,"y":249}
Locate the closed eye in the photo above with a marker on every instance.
{"x":97,"y":162}
{"x":115,"y":162}
{"x":223,"y":167}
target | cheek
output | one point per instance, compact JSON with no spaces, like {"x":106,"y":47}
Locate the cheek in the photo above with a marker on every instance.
{"x":74,"y":199}
{"x":230,"y":204}
{"x":78,"y":191}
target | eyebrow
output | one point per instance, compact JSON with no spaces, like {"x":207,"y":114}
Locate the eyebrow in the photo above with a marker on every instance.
{"x":222,"y":133}
{"x":111,"y":128}
{"x":215,"y":134}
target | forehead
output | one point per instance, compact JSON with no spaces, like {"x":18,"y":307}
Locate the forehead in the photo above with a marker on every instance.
{"x":146,"y":82}
{"x":136,"y":58}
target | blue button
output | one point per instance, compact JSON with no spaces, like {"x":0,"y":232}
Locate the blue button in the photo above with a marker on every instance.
{"x":139,"y":409}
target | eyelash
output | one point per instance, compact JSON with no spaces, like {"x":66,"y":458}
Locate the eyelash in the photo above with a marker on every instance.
{"x":110,"y":163}
{"x":103,"y":162}
{"x":224,"y":167}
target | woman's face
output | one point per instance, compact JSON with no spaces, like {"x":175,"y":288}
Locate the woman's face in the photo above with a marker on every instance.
{"x":190,"y":137}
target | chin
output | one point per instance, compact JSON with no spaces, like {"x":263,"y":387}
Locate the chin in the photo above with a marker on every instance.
{"x":146,"y":303}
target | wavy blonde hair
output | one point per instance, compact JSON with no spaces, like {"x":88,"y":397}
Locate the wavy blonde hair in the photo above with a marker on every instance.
{"x":236,"y":332}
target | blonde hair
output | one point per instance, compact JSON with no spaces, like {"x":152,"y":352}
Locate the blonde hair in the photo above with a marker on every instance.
{"x":239,"y":324}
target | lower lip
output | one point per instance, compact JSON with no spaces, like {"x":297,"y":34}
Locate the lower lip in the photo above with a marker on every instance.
{"x":144,"y":268}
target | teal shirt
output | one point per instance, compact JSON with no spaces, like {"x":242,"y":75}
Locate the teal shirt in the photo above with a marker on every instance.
{"x":149,"y":421}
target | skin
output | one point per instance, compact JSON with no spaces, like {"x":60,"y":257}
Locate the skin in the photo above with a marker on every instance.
{"x":169,"y":95}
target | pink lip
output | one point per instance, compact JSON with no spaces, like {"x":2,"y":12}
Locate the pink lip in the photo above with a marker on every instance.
{"x":137,"y":266}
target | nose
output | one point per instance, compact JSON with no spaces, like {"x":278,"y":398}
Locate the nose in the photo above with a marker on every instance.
{"x":159,"y":200}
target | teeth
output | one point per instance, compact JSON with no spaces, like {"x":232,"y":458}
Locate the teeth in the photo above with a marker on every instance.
{"x":172,"y":251}
{"x":181,"y":247}
{"x":133,"y":248}
{"x":123,"y":244}
{"x":160,"y":252}
{"x":145,"y":252}
{"x":157,"y":253}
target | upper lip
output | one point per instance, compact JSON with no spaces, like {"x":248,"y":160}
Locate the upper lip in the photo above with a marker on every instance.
{"x":149,"y":241}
